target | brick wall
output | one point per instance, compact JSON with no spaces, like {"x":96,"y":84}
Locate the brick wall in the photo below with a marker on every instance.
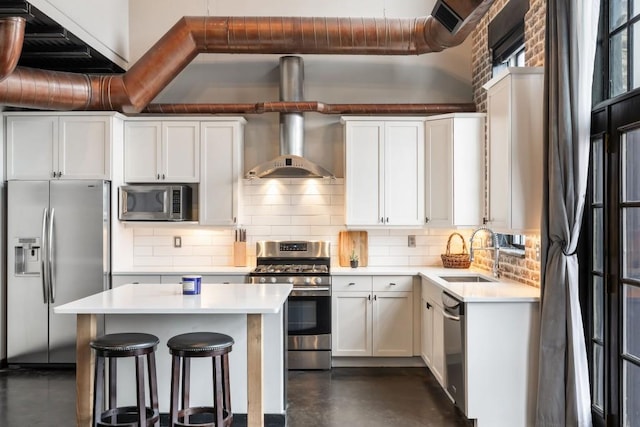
{"x":527,"y":269}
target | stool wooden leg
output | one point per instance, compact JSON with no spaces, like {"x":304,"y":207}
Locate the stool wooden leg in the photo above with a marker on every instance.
{"x":186,"y":384}
{"x":98,"y":390}
{"x":153,"y":384}
{"x":175,"y":376}
{"x":113,"y":389}
{"x":227,"y":388}
{"x":142,"y":412}
{"x":217,"y":384}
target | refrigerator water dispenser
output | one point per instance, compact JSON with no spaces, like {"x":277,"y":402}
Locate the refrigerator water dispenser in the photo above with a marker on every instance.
{"x":28,"y":256}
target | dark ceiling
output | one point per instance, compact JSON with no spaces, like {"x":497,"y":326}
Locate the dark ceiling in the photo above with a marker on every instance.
{"x":47,"y":45}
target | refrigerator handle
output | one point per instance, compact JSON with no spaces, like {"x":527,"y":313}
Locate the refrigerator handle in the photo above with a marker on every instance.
{"x":44,"y":271}
{"x":51,"y":256}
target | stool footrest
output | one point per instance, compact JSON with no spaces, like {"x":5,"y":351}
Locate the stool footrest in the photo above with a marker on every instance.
{"x":195,"y":410}
{"x":152,"y":416}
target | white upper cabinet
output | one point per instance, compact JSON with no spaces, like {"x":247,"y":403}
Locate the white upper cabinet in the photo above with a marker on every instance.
{"x":221,"y":171}
{"x":454,"y":170}
{"x":60,"y":146}
{"x":514,"y":128}
{"x":384,"y":176}
{"x":162,"y":151}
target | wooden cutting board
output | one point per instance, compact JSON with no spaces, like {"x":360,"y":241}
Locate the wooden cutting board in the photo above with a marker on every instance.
{"x":349,"y":240}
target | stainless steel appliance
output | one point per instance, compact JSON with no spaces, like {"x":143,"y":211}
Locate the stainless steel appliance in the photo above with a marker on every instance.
{"x":58,"y":251}
{"x":454,"y":348}
{"x":155,"y":203}
{"x":306,"y":265}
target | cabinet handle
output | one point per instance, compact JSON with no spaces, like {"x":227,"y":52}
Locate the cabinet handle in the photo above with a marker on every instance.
{"x":485,"y":220}
{"x":387,"y":220}
{"x":235,"y":220}
{"x":382,"y":219}
{"x":351,"y":284}
{"x":162,"y":176}
{"x":426,"y":220}
{"x":375,"y":297}
{"x":392,"y":284}
{"x":59,"y":174}
{"x":427,"y":305}
{"x":158,"y":177}
{"x":369,"y":297}
{"x":54,"y":174}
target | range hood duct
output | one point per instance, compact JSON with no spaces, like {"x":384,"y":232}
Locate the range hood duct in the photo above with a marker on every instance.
{"x":134,"y":90}
{"x":291,"y":162}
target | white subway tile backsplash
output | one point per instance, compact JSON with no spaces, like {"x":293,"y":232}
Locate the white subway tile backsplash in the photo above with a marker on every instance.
{"x":285,"y":209}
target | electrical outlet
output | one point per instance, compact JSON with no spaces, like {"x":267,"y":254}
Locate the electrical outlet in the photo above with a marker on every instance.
{"x":411,"y":241}
{"x":177,"y":241}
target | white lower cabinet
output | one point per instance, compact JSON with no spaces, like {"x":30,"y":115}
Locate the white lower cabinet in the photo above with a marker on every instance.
{"x":500,"y":356}
{"x":206,"y":278}
{"x":372,"y":316}
{"x":432,"y":328}
{"x":119,"y":280}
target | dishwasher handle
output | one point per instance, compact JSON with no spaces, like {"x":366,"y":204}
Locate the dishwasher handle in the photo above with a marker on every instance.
{"x":450,"y":316}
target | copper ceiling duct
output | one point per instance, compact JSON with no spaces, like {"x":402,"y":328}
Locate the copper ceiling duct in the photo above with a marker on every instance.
{"x":11,"y":39}
{"x":132,"y":91}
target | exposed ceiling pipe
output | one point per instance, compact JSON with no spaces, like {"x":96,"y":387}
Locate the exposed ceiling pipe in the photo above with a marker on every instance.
{"x":309,"y":107}
{"x":11,"y":39}
{"x":132,"y":91}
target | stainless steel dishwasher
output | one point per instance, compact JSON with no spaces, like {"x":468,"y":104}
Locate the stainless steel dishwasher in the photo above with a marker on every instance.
{"x":454,"y":348}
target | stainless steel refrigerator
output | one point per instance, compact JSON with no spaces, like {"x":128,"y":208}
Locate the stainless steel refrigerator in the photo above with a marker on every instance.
{"x":58,"y":250}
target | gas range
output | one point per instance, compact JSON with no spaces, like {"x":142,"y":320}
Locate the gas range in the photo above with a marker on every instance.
{"x":305,"y":264}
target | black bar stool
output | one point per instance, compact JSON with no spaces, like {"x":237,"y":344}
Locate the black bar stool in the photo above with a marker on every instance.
{"x":200,"y":344}
{"x":113,"y":347}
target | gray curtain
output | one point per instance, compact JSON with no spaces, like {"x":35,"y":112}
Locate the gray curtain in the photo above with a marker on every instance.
{"x":563,"y":382}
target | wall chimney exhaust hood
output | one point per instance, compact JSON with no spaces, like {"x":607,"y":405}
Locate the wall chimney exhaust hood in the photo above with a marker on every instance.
{"x":291,"y":162}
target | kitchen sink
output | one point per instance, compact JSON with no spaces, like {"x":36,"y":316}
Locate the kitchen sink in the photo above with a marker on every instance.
{"x":467,"y":279}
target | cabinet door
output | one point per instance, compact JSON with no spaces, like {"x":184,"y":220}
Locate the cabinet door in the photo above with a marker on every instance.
{"x":393,"y":324}
{"x":220,"y":159}
{"x":84,"y":148}
{"x":351,"y":324}
{"x":363,"y":184}
{"x":438,"y":172}
{"x":180,"y":152}
{"x":32,"y":147}
{"x":426,"y":320}
{"x":499,"y":134}
{"x":437,"y":362}
{"x":142,"y":151}
{"x":404,"y":173}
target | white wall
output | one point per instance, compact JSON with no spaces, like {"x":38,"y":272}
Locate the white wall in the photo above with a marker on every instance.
{"x":103,"y":25}
{"x":431,"y":78}
{"x":279,"y":209}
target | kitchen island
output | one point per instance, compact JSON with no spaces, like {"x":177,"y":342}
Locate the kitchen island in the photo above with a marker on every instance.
{"x":251,"y":313}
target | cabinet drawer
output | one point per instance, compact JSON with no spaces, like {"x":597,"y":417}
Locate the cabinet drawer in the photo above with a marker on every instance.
{"x":351,"y":283}
{"x":393,"y":283}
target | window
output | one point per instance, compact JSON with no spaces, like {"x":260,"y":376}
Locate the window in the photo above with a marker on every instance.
{"x":611,"y":260}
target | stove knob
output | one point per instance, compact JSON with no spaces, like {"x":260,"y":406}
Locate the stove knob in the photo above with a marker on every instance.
{"x":307,"y":280}
{"x":317,"y":280}
{"x":263,"y":280}
{"x":273,"y":280}
{"x":290,"y":280}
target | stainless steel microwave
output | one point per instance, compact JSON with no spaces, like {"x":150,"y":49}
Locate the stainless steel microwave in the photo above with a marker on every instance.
{"x":155,"y":203}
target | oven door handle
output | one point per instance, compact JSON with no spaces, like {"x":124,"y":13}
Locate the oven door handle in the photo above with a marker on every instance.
{"x":300,"y":291}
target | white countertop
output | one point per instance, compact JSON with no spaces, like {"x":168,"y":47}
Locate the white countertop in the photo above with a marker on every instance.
{"x":500,"y":290}
{"x":167,"y":298}
{"x":497,"y":290}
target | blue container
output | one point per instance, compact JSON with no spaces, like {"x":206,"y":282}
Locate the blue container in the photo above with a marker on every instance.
{"x":191,"y":285}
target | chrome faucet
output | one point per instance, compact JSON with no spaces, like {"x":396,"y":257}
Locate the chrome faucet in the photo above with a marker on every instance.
{"x":495,"y":248}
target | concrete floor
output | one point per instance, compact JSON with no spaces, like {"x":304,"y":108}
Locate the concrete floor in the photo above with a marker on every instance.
{"x":341,"y":397}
